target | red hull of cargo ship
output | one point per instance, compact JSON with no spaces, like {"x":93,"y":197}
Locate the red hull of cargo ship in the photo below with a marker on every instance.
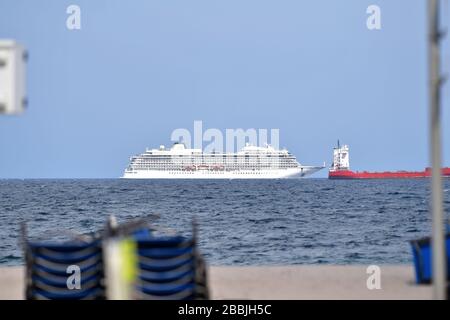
{"x":348,"y":174}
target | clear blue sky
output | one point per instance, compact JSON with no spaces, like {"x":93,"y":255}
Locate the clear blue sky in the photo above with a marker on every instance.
{"x":139,"y":69}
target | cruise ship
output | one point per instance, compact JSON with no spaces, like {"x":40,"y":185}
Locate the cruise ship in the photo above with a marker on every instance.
{"x":251,"y":162}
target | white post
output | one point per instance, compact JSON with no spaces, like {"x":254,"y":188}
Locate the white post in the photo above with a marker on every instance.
{"x":438,"y":237}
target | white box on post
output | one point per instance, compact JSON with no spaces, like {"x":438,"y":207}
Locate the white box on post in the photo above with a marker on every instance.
{"x":13,"y":58}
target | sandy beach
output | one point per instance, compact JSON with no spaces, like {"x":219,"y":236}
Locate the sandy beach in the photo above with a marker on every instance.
{"x":282,"y":282}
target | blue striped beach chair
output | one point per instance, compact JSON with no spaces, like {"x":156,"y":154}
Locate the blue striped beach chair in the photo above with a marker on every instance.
{"x":170,"y":267}
{"x":64,"y":270}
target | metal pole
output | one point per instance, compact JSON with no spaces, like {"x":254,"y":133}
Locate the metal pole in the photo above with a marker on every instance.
{"x":438,"y":242}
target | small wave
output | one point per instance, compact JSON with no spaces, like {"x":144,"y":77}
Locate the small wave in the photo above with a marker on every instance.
{"x":9,"y":258}
{"x":86,"y":223}
{"x":352,"y":243}
{"x":353,"y":256}
{"x":266,"y":220}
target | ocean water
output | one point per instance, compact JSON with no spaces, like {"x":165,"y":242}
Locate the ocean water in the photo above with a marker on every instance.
{"x":241,"y":222}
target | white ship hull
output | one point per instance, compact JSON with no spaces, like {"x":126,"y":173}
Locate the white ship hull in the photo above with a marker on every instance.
{"x":299,"y":172}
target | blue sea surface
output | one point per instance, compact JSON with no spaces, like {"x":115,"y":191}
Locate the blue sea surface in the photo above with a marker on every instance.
{"x":241,"y":222}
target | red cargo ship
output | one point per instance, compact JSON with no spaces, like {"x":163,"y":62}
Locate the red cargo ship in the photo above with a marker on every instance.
{"x":340,"y":169}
